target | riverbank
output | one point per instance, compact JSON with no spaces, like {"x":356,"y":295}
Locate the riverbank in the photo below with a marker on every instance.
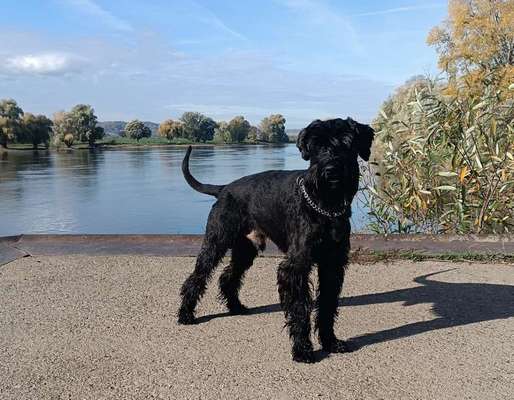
{"x":366,"y":248}
{"x":93,"y":327}
{"x":27,"y":148}
{"x":132,"y":143}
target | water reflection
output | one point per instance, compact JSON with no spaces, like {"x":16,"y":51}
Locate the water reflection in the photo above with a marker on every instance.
{"x":124,"y":190}
{"x":16,"y":164}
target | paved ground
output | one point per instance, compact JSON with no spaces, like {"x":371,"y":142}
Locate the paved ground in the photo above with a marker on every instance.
{"x":82,"y":327}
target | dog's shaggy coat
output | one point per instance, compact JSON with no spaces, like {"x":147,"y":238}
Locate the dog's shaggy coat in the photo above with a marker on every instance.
{"x":305,"y":213}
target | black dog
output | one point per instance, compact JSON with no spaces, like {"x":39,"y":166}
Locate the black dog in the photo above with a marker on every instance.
{"x":305,"y":213}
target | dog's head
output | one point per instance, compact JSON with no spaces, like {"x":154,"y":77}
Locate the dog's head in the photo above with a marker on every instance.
{"x":333,"y":146}
{"x":337,"y":135}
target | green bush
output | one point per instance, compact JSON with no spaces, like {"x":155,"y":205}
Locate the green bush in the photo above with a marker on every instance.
{"x":445,"y":164}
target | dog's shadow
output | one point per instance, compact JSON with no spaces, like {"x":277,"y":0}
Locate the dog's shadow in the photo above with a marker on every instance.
{"x":454,"y":304}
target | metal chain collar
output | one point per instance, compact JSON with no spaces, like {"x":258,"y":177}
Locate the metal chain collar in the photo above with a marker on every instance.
{"x":315,"y":207}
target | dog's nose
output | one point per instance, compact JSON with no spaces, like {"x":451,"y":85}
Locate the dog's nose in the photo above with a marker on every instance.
{"x":329,"y":170}
{"x":333,"y":173}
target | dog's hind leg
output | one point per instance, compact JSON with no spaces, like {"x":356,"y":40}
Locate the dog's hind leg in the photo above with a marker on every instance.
{"x":331,"y":277}
{"x":218,"y":239}
{"x":295,"y":298}
{"x":243,"y":254}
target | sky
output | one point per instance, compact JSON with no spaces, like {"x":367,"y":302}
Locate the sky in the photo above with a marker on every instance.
{"x":156,"y":59}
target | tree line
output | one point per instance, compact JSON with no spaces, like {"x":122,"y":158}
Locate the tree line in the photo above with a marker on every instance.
{"x":80,"y":125}
{"x":77,"y":125}
{"x":200,"y":128}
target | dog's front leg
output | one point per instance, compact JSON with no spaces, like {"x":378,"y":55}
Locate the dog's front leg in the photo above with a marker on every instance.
{"x":296,"y":301}
{"x":331,"y":277}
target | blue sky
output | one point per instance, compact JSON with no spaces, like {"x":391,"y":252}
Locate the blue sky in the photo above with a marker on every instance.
{"x":156,"y":59}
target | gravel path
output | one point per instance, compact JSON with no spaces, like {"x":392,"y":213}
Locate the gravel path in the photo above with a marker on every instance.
{"x":85,"y":327}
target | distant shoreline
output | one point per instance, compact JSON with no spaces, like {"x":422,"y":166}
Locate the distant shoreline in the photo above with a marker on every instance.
{"x":85,"y":146}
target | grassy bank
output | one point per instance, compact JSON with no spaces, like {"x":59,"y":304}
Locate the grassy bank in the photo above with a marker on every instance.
{"x":161,"y":141}
{"x":373,"y":256}
{"x":118,"y":141}
{"x":151,"y":141}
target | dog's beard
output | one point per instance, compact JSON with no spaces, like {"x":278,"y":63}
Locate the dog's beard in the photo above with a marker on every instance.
{"x":333,"y":182}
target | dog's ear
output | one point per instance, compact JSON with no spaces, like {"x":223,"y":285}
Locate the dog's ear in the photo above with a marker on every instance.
{"x":302,"y":142}
{"x":363,"y":138}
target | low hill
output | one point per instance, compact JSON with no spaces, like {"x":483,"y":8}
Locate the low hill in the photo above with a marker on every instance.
{"x":292,"y":134}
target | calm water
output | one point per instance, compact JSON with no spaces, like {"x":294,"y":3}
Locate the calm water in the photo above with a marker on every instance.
{"x":124,"y":191}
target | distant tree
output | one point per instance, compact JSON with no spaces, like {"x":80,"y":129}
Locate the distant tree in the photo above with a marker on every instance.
{"x":476,"y":45}
{"x":220,"y":132}
{"x":10,"y":120}
{"x":235,"y":131}
{"x":171,"y":129}
{"x":274,"y":129}
{"x":62,"y":126}
{"x":99,"y":133}
{"x":238,"y":129}
{"x":137,"y":130}
{"x":254,"y":135}
{"x":35,"y":129}
{"x":197,"y":126}
{"x":82,"y":120}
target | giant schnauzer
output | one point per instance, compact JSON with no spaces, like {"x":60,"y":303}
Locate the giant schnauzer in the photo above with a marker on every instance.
{"x":306,"y":213}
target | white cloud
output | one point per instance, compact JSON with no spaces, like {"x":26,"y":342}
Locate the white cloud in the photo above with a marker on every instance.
{"x":42,"y":64}
{"x":91,"y":8}
{"x":330,"y":24}
{"x":400,"y":10}
{"x":209,"y":18}
{"x":147,"y":80}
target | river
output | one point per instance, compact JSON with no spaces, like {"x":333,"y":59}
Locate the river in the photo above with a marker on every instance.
{"x":125,"y":191}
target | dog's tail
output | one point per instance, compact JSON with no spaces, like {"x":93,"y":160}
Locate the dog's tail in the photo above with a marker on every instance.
{"x":212,"y":190}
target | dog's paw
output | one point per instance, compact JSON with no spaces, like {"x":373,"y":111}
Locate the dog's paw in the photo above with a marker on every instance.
{"x":303,"y":353}
{"x":239,"y":309}
{"x":306,"y":357}
{"x":186,"y":318}
{"x":337,"y":346}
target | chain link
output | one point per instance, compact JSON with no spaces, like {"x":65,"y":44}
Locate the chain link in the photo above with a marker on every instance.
{"x":318,"y":209}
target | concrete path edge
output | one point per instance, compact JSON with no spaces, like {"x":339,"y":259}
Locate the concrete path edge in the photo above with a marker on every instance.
{"x":14,"y":247}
